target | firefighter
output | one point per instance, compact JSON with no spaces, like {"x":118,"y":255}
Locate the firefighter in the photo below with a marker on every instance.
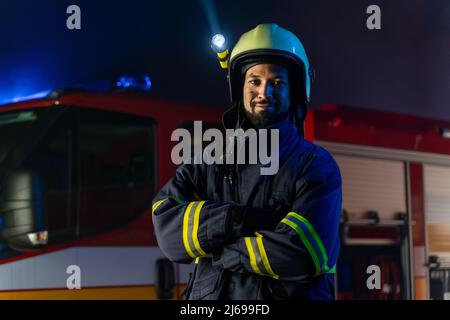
{"x":254,"y":236}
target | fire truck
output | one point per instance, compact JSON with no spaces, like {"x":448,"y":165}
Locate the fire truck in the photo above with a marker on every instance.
{"x":79,"y":169}
{"x":396,"y":201}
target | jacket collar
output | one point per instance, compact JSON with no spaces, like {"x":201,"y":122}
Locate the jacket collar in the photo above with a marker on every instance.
{"x":288,"y":134}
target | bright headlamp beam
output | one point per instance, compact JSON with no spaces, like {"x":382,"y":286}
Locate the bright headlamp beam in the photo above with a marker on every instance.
{"x":218,"y":43}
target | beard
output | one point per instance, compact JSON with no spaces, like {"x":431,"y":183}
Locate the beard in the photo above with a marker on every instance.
{"x":264,"y":119}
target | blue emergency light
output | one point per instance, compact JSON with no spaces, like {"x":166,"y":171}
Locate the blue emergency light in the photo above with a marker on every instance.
{"x":135,"y":83}
{"x":37,"y":95}
{"x":124,"y":83}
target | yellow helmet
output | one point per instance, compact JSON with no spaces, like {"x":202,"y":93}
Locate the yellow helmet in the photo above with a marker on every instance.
{"x":270,"y":43}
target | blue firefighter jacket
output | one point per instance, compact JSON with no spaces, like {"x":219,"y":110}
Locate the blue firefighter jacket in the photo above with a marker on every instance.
{"x":198,"y":217}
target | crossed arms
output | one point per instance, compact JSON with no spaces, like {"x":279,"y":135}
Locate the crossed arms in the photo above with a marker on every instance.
{"x":292,"y":245}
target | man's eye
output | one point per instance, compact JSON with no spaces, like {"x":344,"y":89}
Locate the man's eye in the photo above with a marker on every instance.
{"x":255,"y":82}
{"x":278,"y":83}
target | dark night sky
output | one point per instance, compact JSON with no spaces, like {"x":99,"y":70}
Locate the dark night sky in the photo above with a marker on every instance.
{"x":404,"y":67}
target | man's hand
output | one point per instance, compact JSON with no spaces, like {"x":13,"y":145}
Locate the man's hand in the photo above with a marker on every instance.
{"x":254,"y":219}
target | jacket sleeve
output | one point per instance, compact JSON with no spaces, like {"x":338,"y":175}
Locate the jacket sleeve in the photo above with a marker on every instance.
{"x":306,"y":242}
{"x":186,"y":224}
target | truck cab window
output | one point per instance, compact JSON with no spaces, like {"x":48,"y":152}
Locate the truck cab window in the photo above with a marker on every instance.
{"x":43,"y":154}
{"x":117,"y":169}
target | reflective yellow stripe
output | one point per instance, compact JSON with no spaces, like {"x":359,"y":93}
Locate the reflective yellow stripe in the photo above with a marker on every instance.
{"x":251,"y":255}
{"x":223,"y":64}
{"x":157,"y":204}
{"x":222,"y":54}
{"x":314,"y":234}
{"x":197,"y":260}
{"x":195,"y":229}
{"x":185,"y":230}
{"x":262,"y":251}
{"x":306,"y":242}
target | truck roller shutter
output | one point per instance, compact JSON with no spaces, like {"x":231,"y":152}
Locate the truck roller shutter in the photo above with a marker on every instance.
{"x":437,"y":208}
{"x":372,"y":184}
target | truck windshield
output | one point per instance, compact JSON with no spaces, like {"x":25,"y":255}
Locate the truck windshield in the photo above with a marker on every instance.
{"x":96,"y":171}
{"x":36,"y":146}
{"x":20,"y":131}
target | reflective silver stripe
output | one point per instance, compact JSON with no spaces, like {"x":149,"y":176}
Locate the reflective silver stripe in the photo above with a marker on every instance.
{"x":258,"y":258}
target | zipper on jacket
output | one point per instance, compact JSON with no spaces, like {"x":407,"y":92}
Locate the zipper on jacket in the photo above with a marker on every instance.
{"x":232,"y":179}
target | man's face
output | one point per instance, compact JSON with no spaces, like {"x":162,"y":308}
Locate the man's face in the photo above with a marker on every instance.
{"x":266,"y":94}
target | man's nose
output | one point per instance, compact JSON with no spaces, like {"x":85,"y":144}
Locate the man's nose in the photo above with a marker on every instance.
{"x":265,"y":91}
